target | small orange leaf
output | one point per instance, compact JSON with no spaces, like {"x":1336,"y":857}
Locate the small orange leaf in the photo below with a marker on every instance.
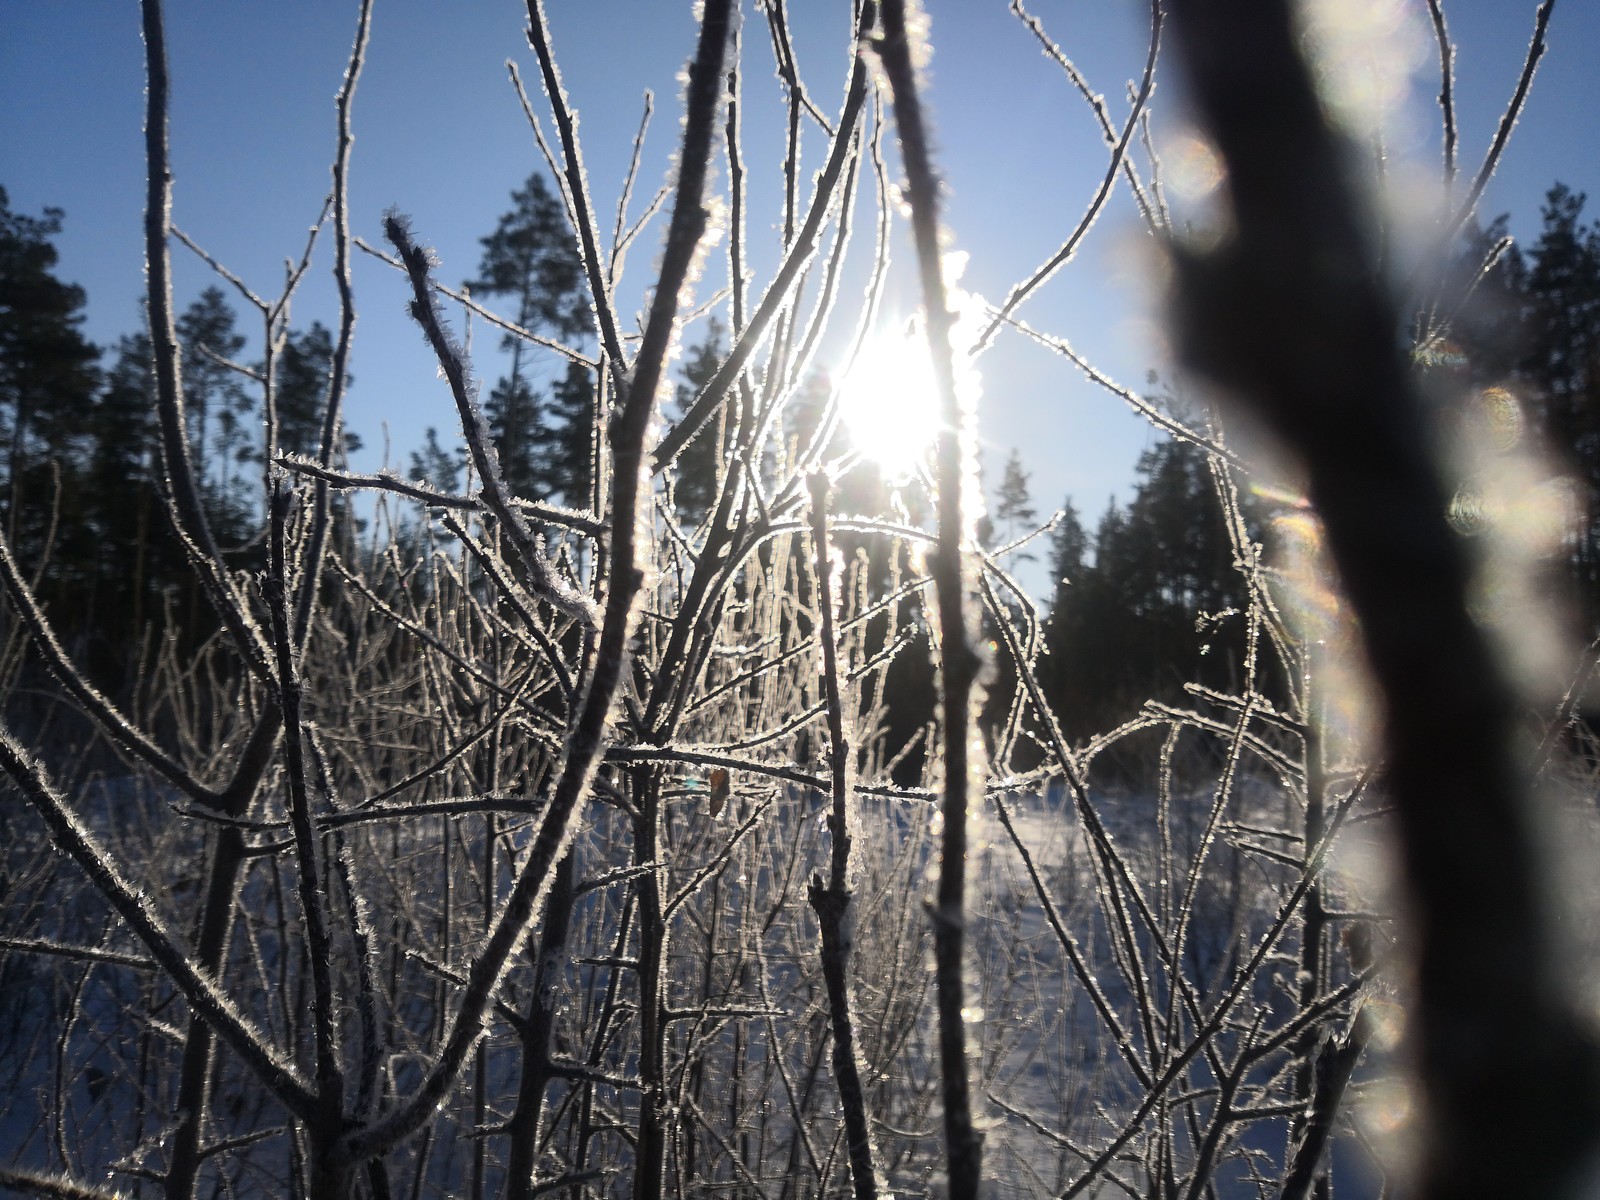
{"x":719,"y":790}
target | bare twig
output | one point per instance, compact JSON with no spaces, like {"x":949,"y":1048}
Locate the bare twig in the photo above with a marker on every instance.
{"x":1097,"y":202}
{"x":539,"y":577}
{"x":67,"y":833}
{"x":958,"y":660}
{"x":832,"y":900}
{"x":798,"y":252}
{"x":182,"y":491}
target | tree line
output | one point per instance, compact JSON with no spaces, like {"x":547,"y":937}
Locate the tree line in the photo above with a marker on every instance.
{"x":1141,"y":605}
{"x":1150,"y":600}
{"x":83,"y":446}
{"x":83,"y":449}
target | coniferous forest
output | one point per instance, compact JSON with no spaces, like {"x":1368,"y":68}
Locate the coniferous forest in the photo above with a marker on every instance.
{"x":648,"y":792}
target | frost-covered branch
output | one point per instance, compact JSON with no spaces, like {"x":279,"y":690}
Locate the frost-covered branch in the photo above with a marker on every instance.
{"x":201,"y":990}
{"x":542,"y":581}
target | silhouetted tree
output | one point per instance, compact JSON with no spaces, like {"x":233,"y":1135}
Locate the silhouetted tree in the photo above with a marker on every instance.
{"x":1153,"y":607}
{"x":543,"y":440}
{"x":569,"y":445}
{"x":1561,"y":364}
{"x":215,"y":402}
{"x":124,"y":506}
{"x":700,"y":464}
{"x":48,"y":377}
{"x":1534,"y":324}
{"x":435,"y":465}
{"x":1013,"y":510}
{"x":304,"y":364}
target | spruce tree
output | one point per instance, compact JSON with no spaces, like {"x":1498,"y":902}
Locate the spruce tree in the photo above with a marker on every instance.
{"x":569,"y":447}
{"x":1123,"y":622}
{"x":1068,"y":546}
{"x":518,"y":418}
{"x":302,"y":384}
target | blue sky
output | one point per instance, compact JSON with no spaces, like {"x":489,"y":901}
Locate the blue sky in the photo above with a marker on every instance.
{"x":440,"y":135}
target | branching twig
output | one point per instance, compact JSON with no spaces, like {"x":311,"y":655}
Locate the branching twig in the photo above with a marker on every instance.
{"x":183,"y":492}
{"x":199,"y":989}
{"x":541,"y":580}
{"x":587,"y":737}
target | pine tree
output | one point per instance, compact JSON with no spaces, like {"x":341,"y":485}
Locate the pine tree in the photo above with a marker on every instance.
{"x":1014,"y":513}
{"x":517,"y":415}
{"x":48,"y":376}
{"x":1562,"y":364}
{"x":1534,"y":325}
{"x":436,"y":466}
{"x":142,"y":559}
{"x":140,"y":573}
{"x":1068,"y":546}
{"x":699,"y":466}
{"x":216,"y":404}
{"x":532,"y":257}
{"x":569,"y":449}
{"x":1122,"y":626}
{"x":304,"y":368}
{"x":206,"y":333}
{"x":544,"y":442}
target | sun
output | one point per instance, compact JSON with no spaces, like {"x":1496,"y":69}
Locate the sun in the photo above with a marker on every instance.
{"x":889,"y":401}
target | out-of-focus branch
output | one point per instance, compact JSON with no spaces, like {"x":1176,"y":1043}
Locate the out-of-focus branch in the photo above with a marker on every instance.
{"x":1290,"y":315}
{"x":32,"y":1183}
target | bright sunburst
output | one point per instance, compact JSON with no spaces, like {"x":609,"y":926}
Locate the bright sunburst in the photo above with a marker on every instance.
{"x":890,"y":402}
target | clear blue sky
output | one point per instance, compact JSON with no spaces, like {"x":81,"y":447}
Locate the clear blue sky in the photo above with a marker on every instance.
{"x":439,"y":134}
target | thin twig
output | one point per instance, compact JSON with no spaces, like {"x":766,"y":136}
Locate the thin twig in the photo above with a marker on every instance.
{"x":957,"y":658}
{"x":538,"y":576}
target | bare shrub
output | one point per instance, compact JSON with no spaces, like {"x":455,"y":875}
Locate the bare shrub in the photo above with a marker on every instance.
{"x":520,"y":849}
